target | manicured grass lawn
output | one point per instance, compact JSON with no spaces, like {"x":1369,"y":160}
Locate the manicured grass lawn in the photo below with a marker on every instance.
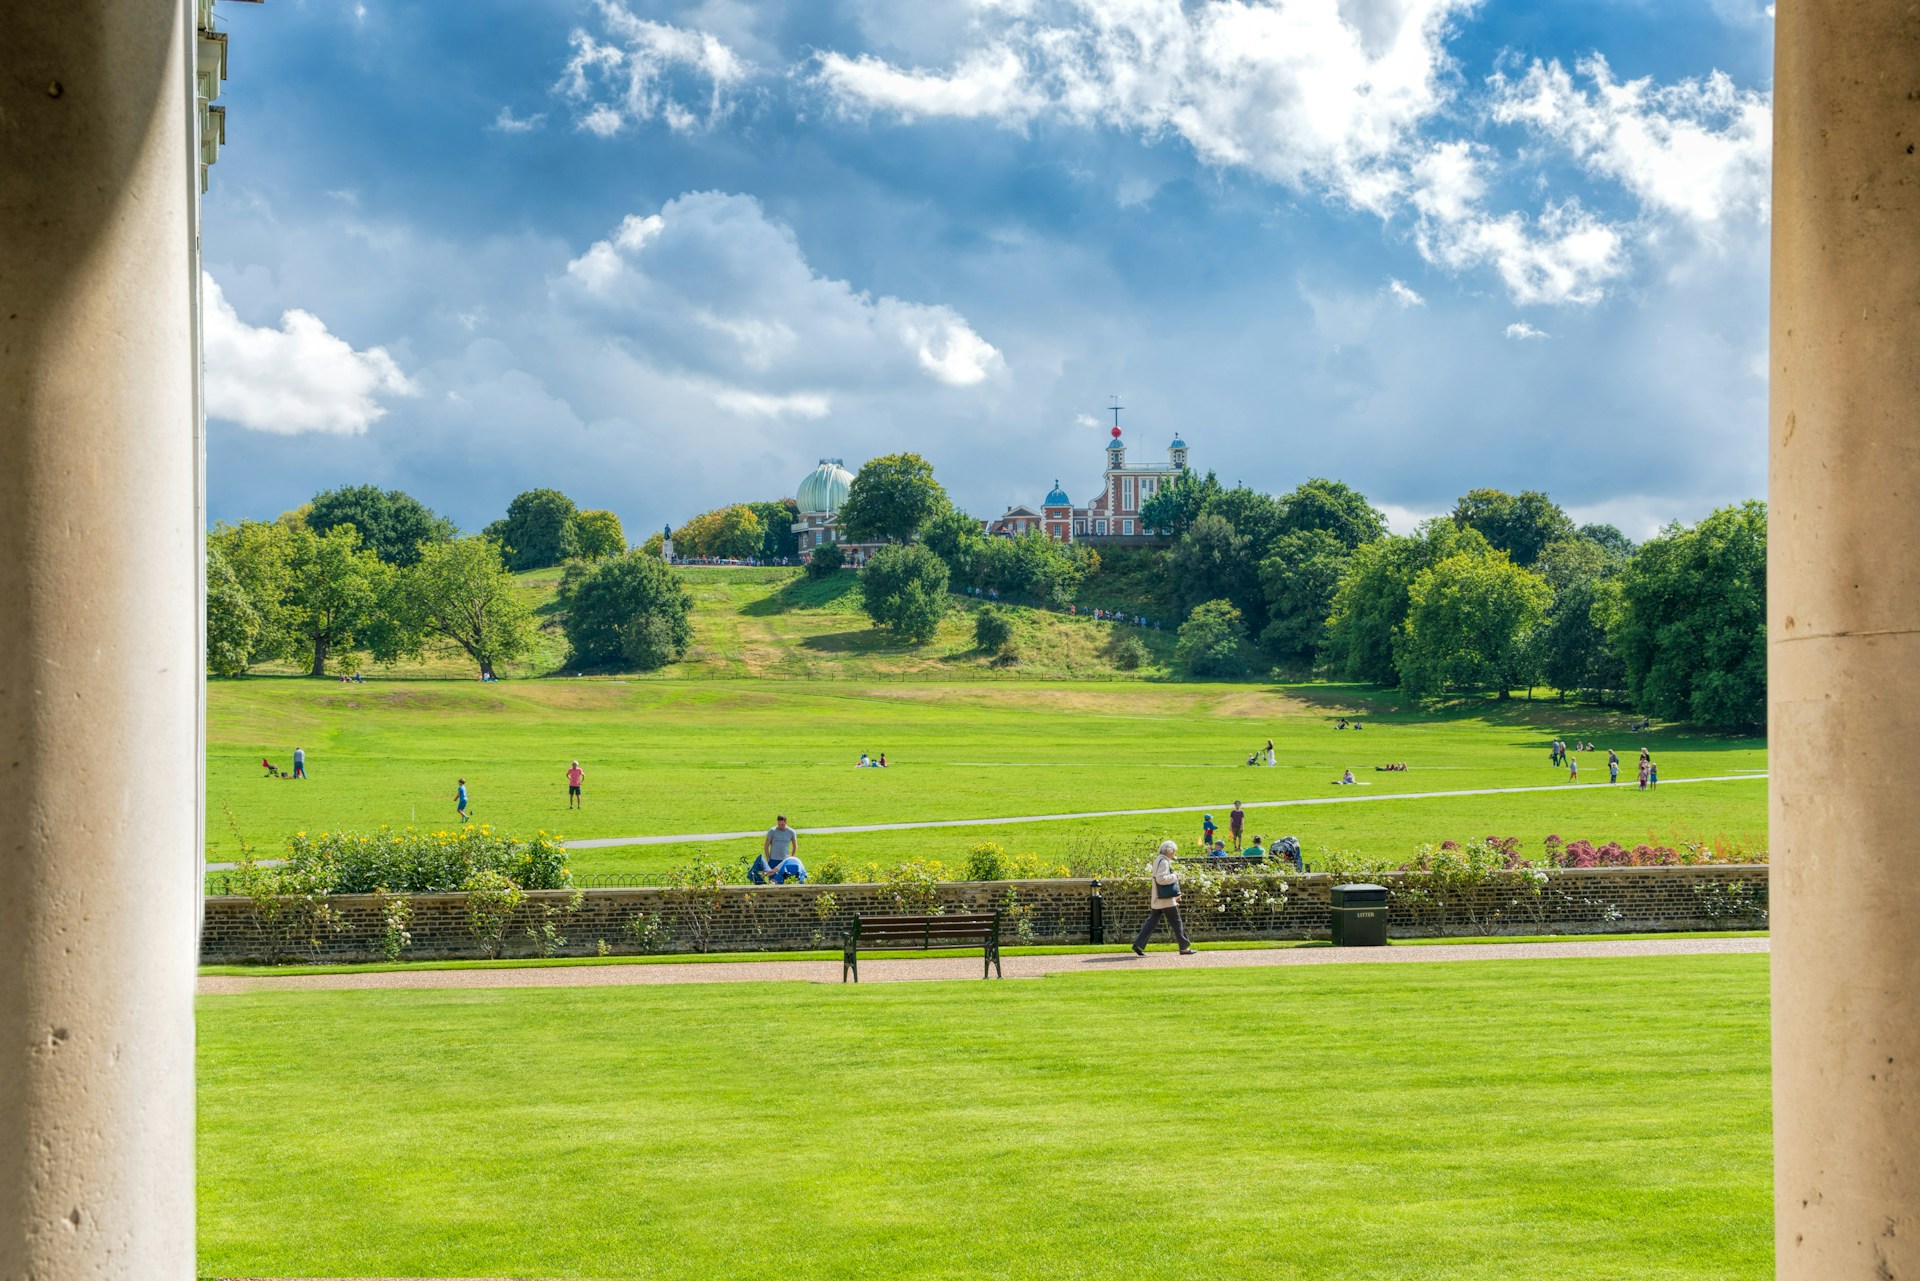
{"x":697,"y":755}
{"x":1566,"y":1119}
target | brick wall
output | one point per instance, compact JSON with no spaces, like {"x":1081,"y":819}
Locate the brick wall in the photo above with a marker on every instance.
{"x":786,"y":917}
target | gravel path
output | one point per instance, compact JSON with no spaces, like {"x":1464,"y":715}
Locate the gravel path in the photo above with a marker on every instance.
{"x":1024,"y":967}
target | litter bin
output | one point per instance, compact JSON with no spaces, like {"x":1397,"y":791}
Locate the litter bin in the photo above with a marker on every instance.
{"x":1359,"y":915}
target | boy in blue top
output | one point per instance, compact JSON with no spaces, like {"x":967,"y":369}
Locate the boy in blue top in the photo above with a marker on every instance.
{"x":790,"y":869}
{"x":460,"y":802}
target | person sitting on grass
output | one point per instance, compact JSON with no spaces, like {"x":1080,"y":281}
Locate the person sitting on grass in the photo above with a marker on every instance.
{"x":1217,"y":850}
{"x":1255,"y":852}
{"x":790,"y":869}
{"x":1346,"y":779}
{"x":761,"y":870}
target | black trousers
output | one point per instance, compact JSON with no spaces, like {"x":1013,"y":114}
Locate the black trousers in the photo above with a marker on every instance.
{"x":1172,"y":913}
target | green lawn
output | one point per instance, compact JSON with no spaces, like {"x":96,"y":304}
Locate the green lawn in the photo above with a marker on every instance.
{"x":1566,"y":1119}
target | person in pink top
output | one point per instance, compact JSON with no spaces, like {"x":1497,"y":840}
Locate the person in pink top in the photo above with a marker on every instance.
{"x":575,"y":777}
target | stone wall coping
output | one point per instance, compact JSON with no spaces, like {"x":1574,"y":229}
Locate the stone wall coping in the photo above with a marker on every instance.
{"x":1680,"y":869}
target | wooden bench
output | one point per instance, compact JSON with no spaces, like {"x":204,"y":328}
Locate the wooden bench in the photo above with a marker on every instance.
{"x":970,"y":929}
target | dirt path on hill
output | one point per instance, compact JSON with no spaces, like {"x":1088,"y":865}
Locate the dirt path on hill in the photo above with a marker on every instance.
{"x":1022,"y":967}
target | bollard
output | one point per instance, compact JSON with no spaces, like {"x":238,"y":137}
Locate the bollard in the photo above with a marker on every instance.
{"x":1096,"y":915}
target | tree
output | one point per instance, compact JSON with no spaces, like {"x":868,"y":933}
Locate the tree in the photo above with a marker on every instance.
{"x":392,"y":524}
{"x":1212,"y":641}
{"x":1574,"y":654}
{"x":739,"y":534}
{"x":904,"y":589}
{"x":540,"y":530}
{"x":955,"y":538}
{"x":1517,"y":524}
{"x":460,"y":591}
{"x":334,"y":589}
{"x":257,"y":553}
{"x":1690,"y":623}
{"x":992,"y":628}
{"x":891,"y":499}
{"x":1370,"y":605}
{"x":233,"y":624}
{"x":1471,"y":620}
{"x":1214,"y":562}
{"x":1033,"y":566}
{"x":1333,"y":507}
{"x":826,"y":560}
{"x":1610,"y":538}
{"x":629,"y":608}
{"x":599,"y":535}
{"x":1299,"y":579}
{"x":1253,"y":515}
{"x":1175,"y":506}
{"x":778,"y":542}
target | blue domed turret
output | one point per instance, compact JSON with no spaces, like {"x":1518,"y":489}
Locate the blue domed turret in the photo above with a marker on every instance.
{"x":1177,"y":443}
{"x":1057,"y":497}
{"x":825,"y":488}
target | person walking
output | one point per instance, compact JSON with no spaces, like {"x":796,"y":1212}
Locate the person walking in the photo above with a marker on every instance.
{"x":460,"y":802}
{"x":1236,"y":823}
{"x":781,"y":844}
{"x":1573,"y":769}
{"x":575,"y":777}
{"x":1613,"y":766}
{"x":1270,"y":759}
{"x":1163,"y":900}
{"x":299,"y":762}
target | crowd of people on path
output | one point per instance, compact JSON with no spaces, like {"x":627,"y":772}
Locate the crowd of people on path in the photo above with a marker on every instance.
{"x":1561,"y":753}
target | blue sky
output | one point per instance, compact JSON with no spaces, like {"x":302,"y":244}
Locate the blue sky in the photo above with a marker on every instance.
{"x":664,"y":256}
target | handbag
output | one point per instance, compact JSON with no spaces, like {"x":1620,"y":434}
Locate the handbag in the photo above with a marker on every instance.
{"x":1169,"y":889}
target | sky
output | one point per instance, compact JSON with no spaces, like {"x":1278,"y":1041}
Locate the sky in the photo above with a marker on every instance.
{"x":664,"y":256}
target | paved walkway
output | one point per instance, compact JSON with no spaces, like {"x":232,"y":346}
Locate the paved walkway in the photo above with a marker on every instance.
{"x":605,"y":842}
{"x":1020,"y":967}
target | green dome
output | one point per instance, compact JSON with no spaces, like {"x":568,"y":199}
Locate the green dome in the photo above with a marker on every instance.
{"x":825,"y":488}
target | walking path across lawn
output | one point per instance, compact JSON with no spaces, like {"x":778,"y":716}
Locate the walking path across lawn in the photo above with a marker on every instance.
{"x":607,"y":842}
{"x":961,"y":967}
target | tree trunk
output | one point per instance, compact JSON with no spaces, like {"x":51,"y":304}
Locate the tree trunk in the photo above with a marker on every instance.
{"x":486,"y":669}
{"x":1506,"y":694}
{"x":319,"y":656}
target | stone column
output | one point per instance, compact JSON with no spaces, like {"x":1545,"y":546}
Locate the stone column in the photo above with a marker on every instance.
{"x":99,"y":662}
{"x":1844,"y":624}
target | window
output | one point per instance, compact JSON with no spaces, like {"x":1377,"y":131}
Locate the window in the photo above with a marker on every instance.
{"x":1079,"y":526}
{"x":1126,"y":492}
{"x":1099,"y":526}
{"x":1128,"y":527}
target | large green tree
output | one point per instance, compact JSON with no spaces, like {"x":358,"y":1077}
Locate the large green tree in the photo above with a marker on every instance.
{"x":904,"y":589}
{"x":1031,"y":566}
{"x":233,"y":624}
{"x":778,"y":541}
{"x":462,"y":592}
{"x":1333,"y":507}
{"x":393,"y":525}
{"x":334,"y":591}
{"x":256,"y":553}
{"x":891,"y":500}
{"x":1299,"y":578}
{"x":1213,"y":561}
{"x":1254,"y":516}
{"x":540,"y":530}
{"x":1175,"y":506}
{"x":1520,"y":525}
{"x":1363,"y":626}
{"x":1471,"y":620}
{"x":1574,"y":653}
{"x":599,"y":535}
{"x":629,"y":609}
{"x":1690,"y":623}
{"x":1213,"y":641}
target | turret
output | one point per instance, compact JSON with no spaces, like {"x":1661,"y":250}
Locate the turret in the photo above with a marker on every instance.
{"x":1116,"y":451}
{"x":1177,"y":454}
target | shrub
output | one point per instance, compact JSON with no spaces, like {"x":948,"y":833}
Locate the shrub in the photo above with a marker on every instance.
{"x":694,"y":892}
{"x":629,"y":608}
{"x":914,"y":885}
{"x":407,"y":861}
{"x":992,"y":629}
{"x":904,"y":589}
{"x":986,"y":862}
{"x":544,"y":929}
{"x":1213,"y":641}
{"x":826,"y":560}
{"x":492,"y":901}
{"x":1129,"y":654}
{"x":396,"y":914}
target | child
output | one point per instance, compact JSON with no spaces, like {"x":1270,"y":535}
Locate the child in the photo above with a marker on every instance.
{"x":1573,"y":769}
{"x":460,"y":802}
{"x":1207,"y":829}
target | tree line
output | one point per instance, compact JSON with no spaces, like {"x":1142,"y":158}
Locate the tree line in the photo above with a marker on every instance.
{"x":360,"y":573}
{"x":1504,"y":592}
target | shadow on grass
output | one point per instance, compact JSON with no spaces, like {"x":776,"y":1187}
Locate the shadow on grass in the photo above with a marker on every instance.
{"x":840,"y":592}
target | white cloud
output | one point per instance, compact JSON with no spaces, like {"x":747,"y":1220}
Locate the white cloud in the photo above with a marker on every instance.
{"x":1525,"y":332}
{"x":507,"y":122}
{"x":1405,"y":520}
{"x":1566,"y":255}
{"x":1302,"y":90}
{"x":644,"y":71}
{"x":1699,"y":150}
{"x":1404,"y":294}
{"x":294,"y":379}
{"x":713,"y":288}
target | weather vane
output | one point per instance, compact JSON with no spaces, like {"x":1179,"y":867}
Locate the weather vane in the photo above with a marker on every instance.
{"x":1116,"y":413}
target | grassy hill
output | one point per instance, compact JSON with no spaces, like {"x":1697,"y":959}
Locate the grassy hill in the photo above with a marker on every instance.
{"x":776,"y":623}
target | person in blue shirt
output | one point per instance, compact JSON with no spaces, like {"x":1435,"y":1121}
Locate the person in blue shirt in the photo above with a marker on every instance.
{"x":790,"y":869}
{"x":761,"y":871}
{"x":460,"y":802}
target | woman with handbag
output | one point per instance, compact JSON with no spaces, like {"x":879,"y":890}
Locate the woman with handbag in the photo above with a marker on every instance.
{"x":1164,"y":889}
